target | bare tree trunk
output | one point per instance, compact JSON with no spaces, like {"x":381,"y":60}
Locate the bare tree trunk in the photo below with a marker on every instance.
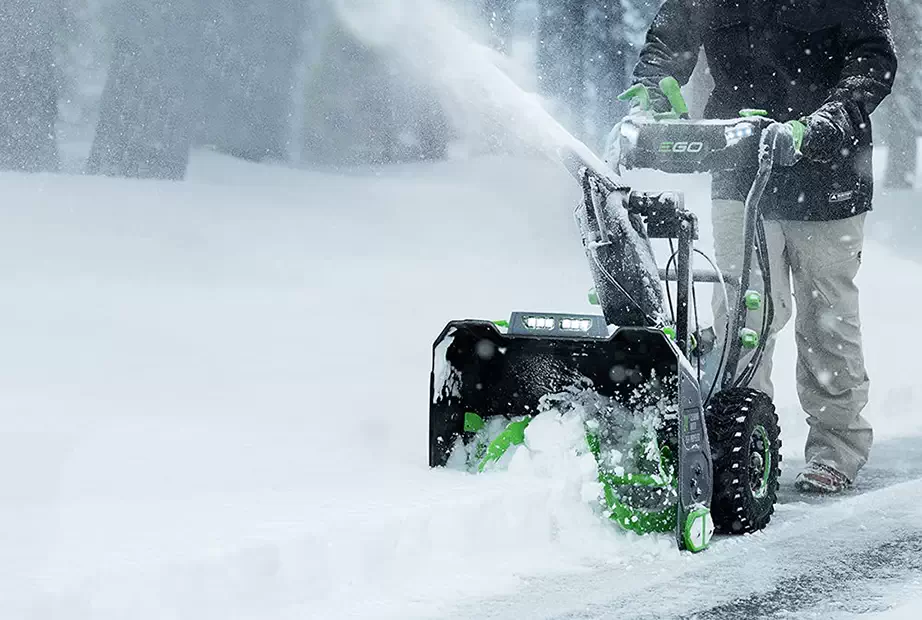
{"x":561,"y":60}
{"x":150,"y":106}
{"x":28,"y":86}
{"x":899,"y":123}
{"x":606,"y":67}
{"x":250,"y":76}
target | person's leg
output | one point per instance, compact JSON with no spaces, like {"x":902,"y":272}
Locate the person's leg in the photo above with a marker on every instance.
{"x":727,"y":218}
{"x":831,"y":378}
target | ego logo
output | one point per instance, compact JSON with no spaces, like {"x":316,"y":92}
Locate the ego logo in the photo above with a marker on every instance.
{"x":681,"y":147}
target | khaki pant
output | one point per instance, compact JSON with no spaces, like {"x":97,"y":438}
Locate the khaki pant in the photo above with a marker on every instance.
{"x":820,"y":260}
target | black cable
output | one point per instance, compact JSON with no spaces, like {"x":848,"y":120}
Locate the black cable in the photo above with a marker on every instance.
{"x":697,"y":330}
{"x":723,"y":348}
{"x":590,"y":208}
{"x":669,"y":263}
{"x":768,"y":316}
{"x":764,"y":258}
{"x":669,"y":290}
{"x":653,"y":322}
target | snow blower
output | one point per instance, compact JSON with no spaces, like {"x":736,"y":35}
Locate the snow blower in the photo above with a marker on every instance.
{"x":674,"y":454}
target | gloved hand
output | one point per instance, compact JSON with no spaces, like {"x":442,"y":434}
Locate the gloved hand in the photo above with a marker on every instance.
{"x":623,"y":132}
{"x":825,"y":136}
{"x":641,"y":108}
{"x":785,"y":141}
{"x":612,"y":153}
{"x":613,"y":143}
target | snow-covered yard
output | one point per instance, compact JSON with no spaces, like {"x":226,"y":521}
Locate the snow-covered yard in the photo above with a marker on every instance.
{"x":214,"y":397}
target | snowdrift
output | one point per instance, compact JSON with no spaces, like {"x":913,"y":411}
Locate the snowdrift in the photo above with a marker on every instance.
{"x":214,"y":393}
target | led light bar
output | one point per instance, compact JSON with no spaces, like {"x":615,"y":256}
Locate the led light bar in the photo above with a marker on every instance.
{"x":540,"y":322}
{"x":553,"y":325}
{"x":739,"y":132}
{"x":577,"y":325}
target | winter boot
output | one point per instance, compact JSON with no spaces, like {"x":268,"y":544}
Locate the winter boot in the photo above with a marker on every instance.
{"x":820,"y":478}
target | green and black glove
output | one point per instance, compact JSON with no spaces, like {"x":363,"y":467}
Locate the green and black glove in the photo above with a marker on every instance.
{"x":788,"y":144}
{"x":640,"y":97}
{"x":825,"y":133}
{"x":787,"y":139}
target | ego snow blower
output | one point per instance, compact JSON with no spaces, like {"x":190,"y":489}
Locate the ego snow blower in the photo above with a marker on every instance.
{"x":673,"y":454}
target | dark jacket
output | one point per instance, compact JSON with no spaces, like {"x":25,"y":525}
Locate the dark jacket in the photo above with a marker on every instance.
{"x":829,"y":61}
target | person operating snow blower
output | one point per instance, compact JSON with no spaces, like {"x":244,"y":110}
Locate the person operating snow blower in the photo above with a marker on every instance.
{"x":821,"y":67}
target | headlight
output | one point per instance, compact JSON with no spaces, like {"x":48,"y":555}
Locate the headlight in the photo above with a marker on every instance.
{"x":739,"y":132}
{"x":540,"y":322}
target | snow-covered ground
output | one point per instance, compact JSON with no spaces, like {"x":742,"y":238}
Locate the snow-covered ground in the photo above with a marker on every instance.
{"x":214,"y":401}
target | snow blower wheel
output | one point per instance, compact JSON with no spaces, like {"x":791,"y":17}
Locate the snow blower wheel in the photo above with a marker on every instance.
{"x":745,"y":445}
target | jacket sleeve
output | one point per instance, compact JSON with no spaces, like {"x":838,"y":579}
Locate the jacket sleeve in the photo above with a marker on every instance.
{"x":843,"y":121}
{"x":671,"y":48}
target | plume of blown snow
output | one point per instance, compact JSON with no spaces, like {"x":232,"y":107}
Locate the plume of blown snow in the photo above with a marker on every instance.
{"x":429,"y":39}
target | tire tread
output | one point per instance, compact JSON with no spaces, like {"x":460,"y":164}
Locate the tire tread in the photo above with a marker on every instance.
{"x":731,"y":416}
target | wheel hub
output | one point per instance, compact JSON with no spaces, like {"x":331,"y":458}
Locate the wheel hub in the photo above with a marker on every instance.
{"x":760,"y":462}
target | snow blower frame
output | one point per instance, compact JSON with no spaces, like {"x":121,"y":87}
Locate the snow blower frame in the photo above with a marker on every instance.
{"x":719,"y":450}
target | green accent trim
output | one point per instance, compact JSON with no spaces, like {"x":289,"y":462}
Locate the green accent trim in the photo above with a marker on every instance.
{"x":749,"y":338}
{"x":640,"y":480}
{"x":639,"y":521}
{"x":501,"y":323}
{"x":698,"y":530}
{"x":673,"y":336}
{"x":799,"y":130}
{"x":594,"y":297}
{"x":753,"y":300}
{"x":766,"y":462}
{"x":592,"y":440}
{"x":473,"y":422}
{"x":672,"y":90}
{"x":513,"y":435}
{"x":633,"y":519}
{"x":639,"y":94}
{"x":750,"y":112}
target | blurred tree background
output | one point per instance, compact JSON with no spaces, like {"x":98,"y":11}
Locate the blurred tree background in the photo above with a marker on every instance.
{"x":127,"y":87}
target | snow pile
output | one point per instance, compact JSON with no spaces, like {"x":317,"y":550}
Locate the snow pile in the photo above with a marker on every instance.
{"x":899,"y":611}
{"x":555,"y":455}
{"x":220,"y":389}
{"x":556,"y":451}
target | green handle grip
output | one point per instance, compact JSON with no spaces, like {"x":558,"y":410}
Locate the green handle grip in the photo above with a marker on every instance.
{"x":672,"y":90}
{"x":799,"y":129}
{"x":638,"y":93}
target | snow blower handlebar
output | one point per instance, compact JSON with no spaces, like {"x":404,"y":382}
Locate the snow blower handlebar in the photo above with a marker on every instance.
{"x":753,"y":238}
{"x":672,"y":144}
